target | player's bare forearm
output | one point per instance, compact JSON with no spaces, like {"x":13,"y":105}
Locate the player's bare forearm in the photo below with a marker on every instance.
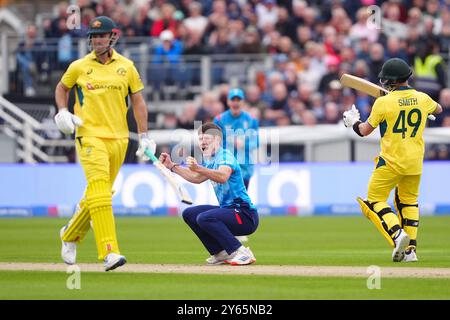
{"x":365,"y":128}
{"x":140,"y":112}
{"x":220,"y":176}
{"x":189,"y":175}
{"x":61,"y":95}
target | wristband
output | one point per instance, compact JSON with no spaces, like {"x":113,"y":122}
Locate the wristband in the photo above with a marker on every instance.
{"x":356,"y":128}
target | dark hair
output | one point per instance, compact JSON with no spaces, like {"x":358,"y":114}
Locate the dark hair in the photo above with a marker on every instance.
{"x":210,"y":128}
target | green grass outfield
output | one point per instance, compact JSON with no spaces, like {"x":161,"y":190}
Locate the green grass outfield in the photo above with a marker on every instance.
{"x":321,"y":241}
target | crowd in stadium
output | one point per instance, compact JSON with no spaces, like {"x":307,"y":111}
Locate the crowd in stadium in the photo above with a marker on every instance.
{"x":312,"y":43}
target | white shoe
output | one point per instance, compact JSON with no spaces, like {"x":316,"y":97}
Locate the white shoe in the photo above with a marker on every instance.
{"x":401,"y":243}
{"x":68,"y":249}
{"x":219,"y":258}
{"x":410,"y":256}
{"x":242,"y":256}
{"x":113,"y":261}
{"x":242,"y":238}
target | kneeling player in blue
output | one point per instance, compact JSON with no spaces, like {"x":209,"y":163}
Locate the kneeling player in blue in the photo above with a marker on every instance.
{"x":217,"y":226}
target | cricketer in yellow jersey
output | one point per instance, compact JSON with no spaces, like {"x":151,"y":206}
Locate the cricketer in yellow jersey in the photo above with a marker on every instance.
{"x":102,"y":80}
{"x":401,"y":116}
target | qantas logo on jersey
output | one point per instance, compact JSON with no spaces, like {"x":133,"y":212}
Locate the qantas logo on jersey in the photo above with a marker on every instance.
{"x":102,"y":86}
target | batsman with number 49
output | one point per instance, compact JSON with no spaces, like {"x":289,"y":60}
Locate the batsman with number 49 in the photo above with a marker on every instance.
{"x":401,"y":116}
{"x":103,"y":80}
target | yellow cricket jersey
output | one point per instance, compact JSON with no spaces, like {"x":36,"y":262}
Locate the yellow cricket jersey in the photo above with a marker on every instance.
{"x":101,"y":92}
{"x":402,"y":116}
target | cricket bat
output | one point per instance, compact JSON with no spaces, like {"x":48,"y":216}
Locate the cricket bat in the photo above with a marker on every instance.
{"x":360,"y":84}
{"x":181,"y":192}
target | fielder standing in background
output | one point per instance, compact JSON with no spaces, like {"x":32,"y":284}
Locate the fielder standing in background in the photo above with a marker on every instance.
{"x":102,"y":80}
{"x":240,"y":135}
{"x":401,"y":116}
{"x":217,"y":226}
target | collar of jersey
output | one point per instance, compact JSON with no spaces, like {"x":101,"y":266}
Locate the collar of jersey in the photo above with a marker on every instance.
{"x":403,"y":88}
{"x":113,"y":56}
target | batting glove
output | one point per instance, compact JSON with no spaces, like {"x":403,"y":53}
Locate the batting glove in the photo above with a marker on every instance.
{"x":145,"y":143}
{"x":351,"y":116}
{"x":66,"y":122}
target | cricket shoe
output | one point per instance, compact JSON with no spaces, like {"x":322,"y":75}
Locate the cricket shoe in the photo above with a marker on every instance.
{"x":401,"y":243}
{"x":242,"y":256}
{"x":219,"y":258}
{"x":113,"y":261}
{"x":410,"y":255}
{"x":68,"y":249}
{"x":242,"y":238}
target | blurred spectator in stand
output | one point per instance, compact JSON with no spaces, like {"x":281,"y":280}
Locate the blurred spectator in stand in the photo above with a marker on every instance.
{"x":205,"y":112}
{"x":165,"y":22}
{"x":363,"y":30}
{"x":196,"y":21}
{"x":391,"y":25}
{"x":317,"y":107}
{"x":282,"y":25}
{"x":31,"y":60}
{"x":278,"y":108}
{"x":414,"y":20}
{"x":253,"y":99}
{"x":271,"y":42}
{"x":444,"y":38}
{"x":251,"y":43}
{"x":296,"y":19}
{"x":429,"y":68}
{"x":332,"y":74}
{"x":376,"y":61}
{"x":143,"y":21}
{"x":429,"y":30}
{"x":219,"y":17}
{"x":305,"y":93}
{"x":187,"y":117}
{"x":285,"y":45}
{"x":395,"y":49}
{"x":304,"y":36}
{"x":267,"y":12}
{"x":332,"y":113}
{"x":363,"y":49}
{"x":166,"y":57}
{"x":219,"y":42}
{"x":334,"y":93}
{"x":236,"y":30}
{"x":309,"y":75}
{"x":413,"y":43}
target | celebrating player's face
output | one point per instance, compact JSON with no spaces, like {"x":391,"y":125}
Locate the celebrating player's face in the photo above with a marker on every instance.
{"x":208,"y":143}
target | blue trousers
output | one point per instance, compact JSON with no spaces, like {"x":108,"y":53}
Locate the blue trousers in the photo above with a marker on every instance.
{"x":216,"y":226}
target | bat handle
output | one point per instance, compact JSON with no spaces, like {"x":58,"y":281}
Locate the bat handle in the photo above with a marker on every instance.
{"x":431,"y":117}
{"x":152,"y":157}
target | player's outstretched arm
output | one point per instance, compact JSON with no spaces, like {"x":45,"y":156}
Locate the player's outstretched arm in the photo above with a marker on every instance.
{"x":220,"y":175}
{"x":185,"y":173}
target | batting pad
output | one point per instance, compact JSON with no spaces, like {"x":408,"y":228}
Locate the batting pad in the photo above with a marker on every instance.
{"x":380,"y":222}
{"x":98,"y":197}
{"x":408,"y":214}
{"x":79,"y":225}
